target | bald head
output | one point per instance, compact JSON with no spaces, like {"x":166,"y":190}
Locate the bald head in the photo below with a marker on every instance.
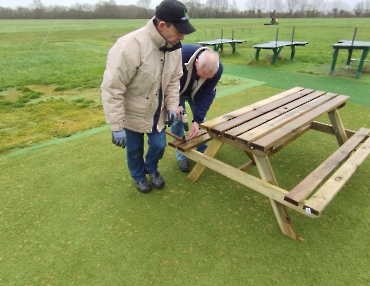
{"x":207,"y":64}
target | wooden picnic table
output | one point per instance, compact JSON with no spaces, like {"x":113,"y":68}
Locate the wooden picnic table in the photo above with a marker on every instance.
{"x":276,"y":47}
{"x":264,"y":128}
{"x":219,"y":43}
{"x":350,"y":46}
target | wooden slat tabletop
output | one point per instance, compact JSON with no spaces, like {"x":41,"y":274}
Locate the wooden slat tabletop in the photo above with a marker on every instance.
{"x":264,"y":123}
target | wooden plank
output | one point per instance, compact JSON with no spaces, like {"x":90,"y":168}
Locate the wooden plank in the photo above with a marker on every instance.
{"x":339,"y":131}
{"x":286,"y":141}
{"x":317,"y":203}
{"x":298,"y":106}
{"x":174,"y":143}
{"x":245,"y":167}
{"x":265,"y":169}
{"x":284,"y":119}
{"x":281,"y":212}
{"x":285,"y":104}
{"x":238,"y":112}
{"x":252,"y":182}
{"x":273,"y":137}
{"x":245,"y":127}
{"x":307,"y":185}
{"x":221,"y":128}
{"x":328,"y":129}
{"x":194,"y":142}
{"x":237,"y":144}
{"x":283,"y":218}
{"x":211,"y":151}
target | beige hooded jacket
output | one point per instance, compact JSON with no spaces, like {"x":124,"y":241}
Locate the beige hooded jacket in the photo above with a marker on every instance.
{"x":132,"y":80}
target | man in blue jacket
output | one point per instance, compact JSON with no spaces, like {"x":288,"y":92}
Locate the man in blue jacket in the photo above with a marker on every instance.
{"x":202,"y":70}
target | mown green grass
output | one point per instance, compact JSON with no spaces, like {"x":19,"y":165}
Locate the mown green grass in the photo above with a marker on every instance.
{"x":72,"y":53}
{"x":26,"y":120}
{"x":57,"y":57}
{"x":70,"y":215}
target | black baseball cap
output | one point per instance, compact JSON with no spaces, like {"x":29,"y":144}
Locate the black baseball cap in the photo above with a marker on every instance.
{"x":174,"y":12}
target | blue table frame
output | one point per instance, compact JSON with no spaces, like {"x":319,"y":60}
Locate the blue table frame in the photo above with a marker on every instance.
{"x":219,"y":43}
{"x":276,"y":47}
{"x":350,"y":46}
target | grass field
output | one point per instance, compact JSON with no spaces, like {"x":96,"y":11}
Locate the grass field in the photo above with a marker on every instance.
{"x":69,"y":211}
{"x":56,"y":66}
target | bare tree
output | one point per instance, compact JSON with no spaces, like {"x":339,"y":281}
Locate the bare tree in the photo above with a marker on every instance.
{"x":359,"y":7}
{"x":256,"y":5}
{"x":144,"y":3}
{"x":292,"y":5}
{"x":318,"y":5}
{"x":194,"y":8}
{"x":233,"y":7}
{"x":37,"y":4}
{"x":218,"y":7}
{"x":367,"y":6}
{"x":38,"y":9}
{"x":302,"y":5}
{"x":87,"y":7}
{"x":276,"y":5}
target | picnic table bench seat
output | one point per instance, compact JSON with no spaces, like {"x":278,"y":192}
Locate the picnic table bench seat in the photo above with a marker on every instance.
{"x":201,"y":138}
{"x":352,"y":154}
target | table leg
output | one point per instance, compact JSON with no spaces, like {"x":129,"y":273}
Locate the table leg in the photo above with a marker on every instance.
{"x":233,"y":46}
{"x":245,"y":167}
{"x":335,"y":55}
{"x":292,"y":52}
{"x":339,"y":130}
{"x":276,"y":53}
{"x":349,"y":58}
{"x":257,"y":56}
{"x":281,"y":211}
{"x":211,"y":151}
{"x":361,"y":63}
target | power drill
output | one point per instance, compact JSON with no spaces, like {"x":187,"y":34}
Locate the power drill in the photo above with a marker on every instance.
{"x":184,"y":119}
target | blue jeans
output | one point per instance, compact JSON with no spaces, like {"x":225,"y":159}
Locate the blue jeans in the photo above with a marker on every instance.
{"x":135,"y":152}
{"x":178,"y":128}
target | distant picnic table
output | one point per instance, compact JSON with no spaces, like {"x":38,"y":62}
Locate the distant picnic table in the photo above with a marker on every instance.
{"x":276,"y":47}
{"x":219,"y":43}
{"x":350,"y":46}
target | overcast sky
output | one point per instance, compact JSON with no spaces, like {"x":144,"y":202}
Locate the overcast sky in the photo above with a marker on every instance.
{"x":26,"y":3}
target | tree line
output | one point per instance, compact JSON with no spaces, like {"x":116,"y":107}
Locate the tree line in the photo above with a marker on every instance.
{"x":210,"y":9}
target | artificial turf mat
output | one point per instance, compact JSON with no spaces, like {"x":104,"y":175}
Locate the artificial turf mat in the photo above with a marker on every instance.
{"x":357,"y":89}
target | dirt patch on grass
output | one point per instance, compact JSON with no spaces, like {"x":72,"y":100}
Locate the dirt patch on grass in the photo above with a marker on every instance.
{"x":49,"y":92}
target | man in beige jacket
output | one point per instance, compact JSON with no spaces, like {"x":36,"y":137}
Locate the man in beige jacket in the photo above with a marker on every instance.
{"x":140,"y":89}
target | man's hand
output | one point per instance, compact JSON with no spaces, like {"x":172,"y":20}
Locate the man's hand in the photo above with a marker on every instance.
{"x":119,"y":138}
{"x":171,"y":117}
{"x":178,"y":112}
{"x":193,"y":130}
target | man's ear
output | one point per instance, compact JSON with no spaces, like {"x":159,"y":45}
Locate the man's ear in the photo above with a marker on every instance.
{"x":161,"y":25}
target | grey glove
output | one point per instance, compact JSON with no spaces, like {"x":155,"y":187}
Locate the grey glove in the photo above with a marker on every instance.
{"x":119,"y":138}
{"x":171,"y":117}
